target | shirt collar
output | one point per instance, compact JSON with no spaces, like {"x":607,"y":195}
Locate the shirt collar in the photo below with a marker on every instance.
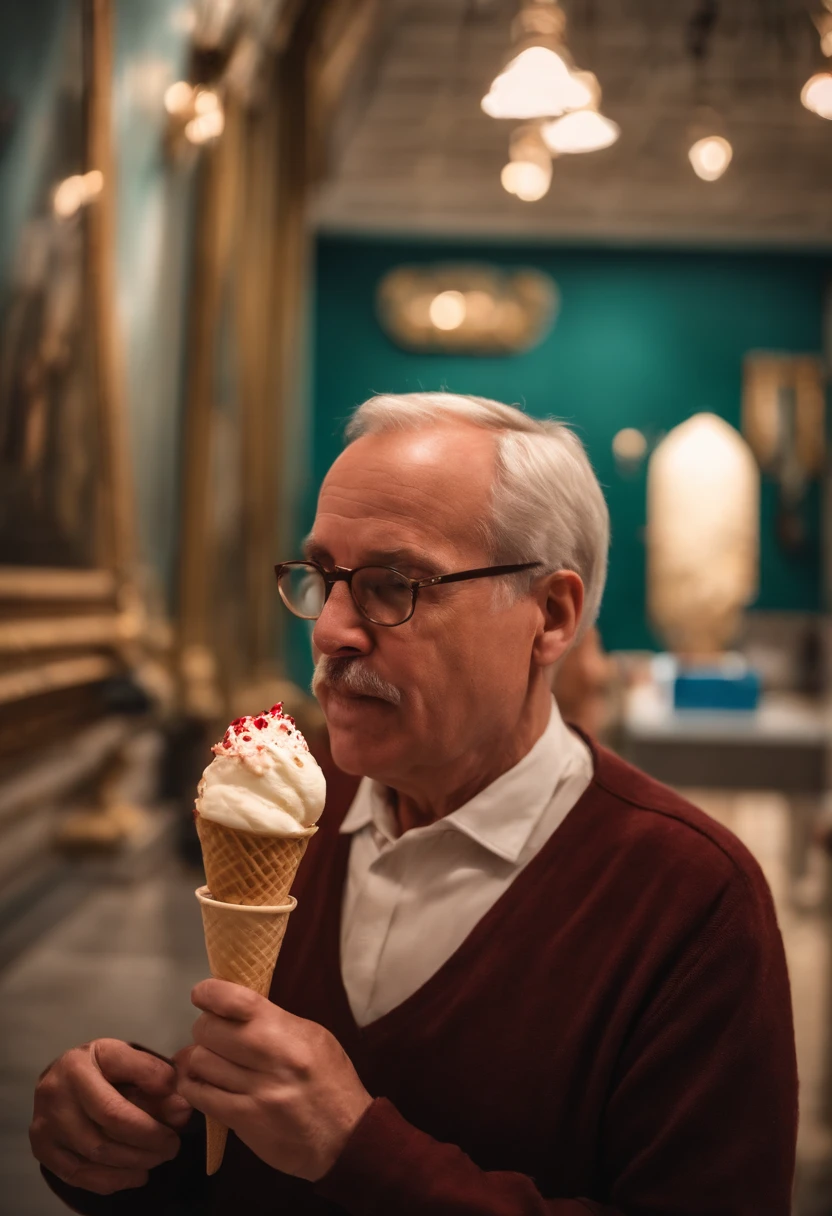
{"x":501,"y":817}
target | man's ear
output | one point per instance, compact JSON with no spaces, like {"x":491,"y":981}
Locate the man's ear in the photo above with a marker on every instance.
{"x":561,"y":601}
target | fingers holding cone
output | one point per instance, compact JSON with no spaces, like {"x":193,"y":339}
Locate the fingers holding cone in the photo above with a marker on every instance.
{"x":242,"y":942}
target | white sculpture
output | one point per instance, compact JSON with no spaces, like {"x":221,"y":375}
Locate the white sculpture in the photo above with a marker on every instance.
{"x":703,"y":535}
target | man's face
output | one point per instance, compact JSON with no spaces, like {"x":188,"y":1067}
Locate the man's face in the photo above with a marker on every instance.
{"x":460,"y":666}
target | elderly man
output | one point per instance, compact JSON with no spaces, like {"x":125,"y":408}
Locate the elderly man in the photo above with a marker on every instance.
{"x":522,"y":976}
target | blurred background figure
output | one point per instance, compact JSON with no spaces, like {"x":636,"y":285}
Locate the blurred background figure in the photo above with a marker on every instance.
{"x":223,"y":225}
{"x":583,"y":686}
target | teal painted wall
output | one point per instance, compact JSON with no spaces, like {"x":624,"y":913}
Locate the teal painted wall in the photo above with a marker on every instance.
{"x":644,"y":338}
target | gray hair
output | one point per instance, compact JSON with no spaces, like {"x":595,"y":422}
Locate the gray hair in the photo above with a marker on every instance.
{"x":547,"y":505}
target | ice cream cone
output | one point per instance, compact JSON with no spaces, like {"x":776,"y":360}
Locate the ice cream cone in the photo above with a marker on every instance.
{"x":243,"y":942}
{"x":249,"y":867}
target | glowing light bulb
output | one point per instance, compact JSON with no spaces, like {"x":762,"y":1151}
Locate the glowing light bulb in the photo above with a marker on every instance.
{"x":93,"y":183}
{"x":205,"y":127}
{"x":69,"y":196}
{"x":538,"y":83}
{"x":448,"y":309}
{"x":710,"y":157}
{"x":206,"y":101}
{"x":582,"y":131}
{"x":75,"y":192}
{"x":178,"y":97}
{"x":529,"y":180}
{"x":816,"y":94}
{"x":629,"y":445}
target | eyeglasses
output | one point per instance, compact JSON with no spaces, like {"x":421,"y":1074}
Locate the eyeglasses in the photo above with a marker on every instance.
{"x":381,"y":594}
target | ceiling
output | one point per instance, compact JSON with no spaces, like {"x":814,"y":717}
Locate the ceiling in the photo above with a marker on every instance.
{"x":419,"y":155}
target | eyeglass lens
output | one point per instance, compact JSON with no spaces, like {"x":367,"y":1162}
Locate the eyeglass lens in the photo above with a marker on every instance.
{"x":383,"y":595}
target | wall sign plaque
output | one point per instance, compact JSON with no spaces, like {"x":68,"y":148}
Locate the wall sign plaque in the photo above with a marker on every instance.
{"x":466,"y":308}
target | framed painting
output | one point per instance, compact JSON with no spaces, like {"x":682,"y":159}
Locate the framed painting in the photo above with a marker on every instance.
{"x":67,"y":611}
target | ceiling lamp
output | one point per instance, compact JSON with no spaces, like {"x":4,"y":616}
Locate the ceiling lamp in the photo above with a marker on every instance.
{"x":816,"y":94}
{"x":526,"y":179}
{"x":581,"y":131}
{"x":539,"y":80}
{"x":537,"y":83}
{"x":710,"y":157}
{"x":528,"y":173}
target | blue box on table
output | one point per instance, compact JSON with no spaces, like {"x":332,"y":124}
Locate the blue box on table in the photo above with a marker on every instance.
{"x":729,"y":686}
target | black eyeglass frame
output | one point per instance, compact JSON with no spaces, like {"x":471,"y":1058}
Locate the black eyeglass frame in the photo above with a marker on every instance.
{"x":341,"y":574}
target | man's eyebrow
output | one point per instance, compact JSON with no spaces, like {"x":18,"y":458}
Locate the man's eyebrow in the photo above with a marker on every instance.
{"x":311,"y":548}
{"x":403,"y":557}
{"x":382,"y":557}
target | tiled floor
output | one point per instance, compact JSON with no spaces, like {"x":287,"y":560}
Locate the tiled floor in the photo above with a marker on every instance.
{"x":121,"y":966}
{"x":123,"y":963}
{"x":761,"y":821}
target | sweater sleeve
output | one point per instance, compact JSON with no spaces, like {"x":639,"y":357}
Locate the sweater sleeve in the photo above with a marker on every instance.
{"x":175,"y":1188}
{"x":701,"y":1114}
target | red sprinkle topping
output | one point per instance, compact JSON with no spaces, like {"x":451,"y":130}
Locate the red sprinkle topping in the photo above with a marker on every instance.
{"x":240,"y":729}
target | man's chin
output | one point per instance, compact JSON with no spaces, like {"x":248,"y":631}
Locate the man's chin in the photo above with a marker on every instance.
{"x":359,"y":727}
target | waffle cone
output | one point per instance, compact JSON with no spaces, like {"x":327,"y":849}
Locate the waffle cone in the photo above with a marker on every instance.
{"x":247,"y":867}
{"x":242,"y":942}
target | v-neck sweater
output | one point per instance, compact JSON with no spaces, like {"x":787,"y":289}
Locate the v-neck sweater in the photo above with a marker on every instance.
{"x":614,"y":1036}
{"x":411,"y":898}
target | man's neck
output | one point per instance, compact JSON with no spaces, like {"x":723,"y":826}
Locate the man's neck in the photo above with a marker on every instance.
{"x":417,"y":804}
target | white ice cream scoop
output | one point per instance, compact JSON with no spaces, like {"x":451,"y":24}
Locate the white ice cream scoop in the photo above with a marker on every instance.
{"x":263,"y":778}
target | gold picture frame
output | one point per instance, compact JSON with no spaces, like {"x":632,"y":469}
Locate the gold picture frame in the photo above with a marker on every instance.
{"x":66,"y":621}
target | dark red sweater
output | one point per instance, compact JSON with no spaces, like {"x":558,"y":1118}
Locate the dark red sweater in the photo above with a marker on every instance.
{"x":615,"y":1036}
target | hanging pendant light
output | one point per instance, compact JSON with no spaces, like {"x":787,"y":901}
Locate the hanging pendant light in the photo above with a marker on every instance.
{"x":528,"y":173}
{"x":709,"y":149}
{"x":537,"y":83}
{"x":539,"y":80}
{"x":710,"y":157}
{"x":581,"y":131}
{"x":816,"y":94}
{"x":584,"y":130}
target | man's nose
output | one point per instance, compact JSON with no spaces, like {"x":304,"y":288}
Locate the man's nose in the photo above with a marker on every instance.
{"x":341,"y":630}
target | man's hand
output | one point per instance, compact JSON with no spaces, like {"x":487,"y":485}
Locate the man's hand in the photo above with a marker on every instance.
{"x":102,"y":1138}
{"x":283,"y":1084}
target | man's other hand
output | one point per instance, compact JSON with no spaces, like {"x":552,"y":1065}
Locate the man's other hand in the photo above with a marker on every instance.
{"x":282,"y":1083}
{"x":105,"y":1114}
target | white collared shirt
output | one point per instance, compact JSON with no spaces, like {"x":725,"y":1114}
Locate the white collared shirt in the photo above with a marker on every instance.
{"x":411,"y":900}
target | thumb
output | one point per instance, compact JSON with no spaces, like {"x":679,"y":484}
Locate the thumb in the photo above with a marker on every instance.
{"x":174,"y":1110}
{"x":182,"y":1059}
{"x":121,"y":1064}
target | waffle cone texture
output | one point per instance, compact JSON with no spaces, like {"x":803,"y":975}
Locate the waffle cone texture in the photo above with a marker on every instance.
{"x":248,"y":867}
{"x":242,"y":942}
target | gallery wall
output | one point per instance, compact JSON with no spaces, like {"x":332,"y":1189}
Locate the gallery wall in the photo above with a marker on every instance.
{"x":643,"y":338}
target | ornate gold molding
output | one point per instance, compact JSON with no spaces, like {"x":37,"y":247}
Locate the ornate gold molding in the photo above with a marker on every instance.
{"x":117,"y":533}
{"x":60,"y":633}
{"x":41,"y":583}
{"x":37,"y":595}
{"x":49,"y":677}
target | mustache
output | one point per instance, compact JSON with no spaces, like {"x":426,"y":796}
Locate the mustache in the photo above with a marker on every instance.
{"x":351,"y":676}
